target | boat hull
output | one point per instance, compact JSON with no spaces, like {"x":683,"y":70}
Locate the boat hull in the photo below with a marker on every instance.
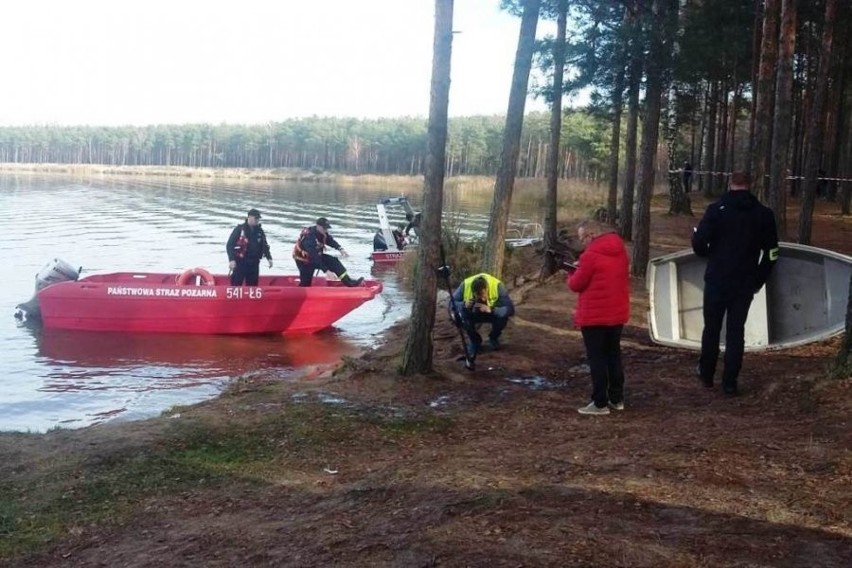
{"x":804,"y":300}
{"x":153,"y":303}
{"x":388,"y":256}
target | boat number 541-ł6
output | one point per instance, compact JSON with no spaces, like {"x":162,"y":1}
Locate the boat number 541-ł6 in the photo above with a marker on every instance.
{"x":239,"y":292}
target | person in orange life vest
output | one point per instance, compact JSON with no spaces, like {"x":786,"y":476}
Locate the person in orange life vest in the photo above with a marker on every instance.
{"x":245,"y":247}
{"x":310,"y":256}
{"x":602,"y":281}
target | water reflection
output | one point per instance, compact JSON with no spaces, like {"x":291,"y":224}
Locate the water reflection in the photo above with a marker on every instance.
{"x":179,"y":357}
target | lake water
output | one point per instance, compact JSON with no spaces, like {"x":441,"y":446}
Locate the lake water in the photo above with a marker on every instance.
{"x":52,"y":378}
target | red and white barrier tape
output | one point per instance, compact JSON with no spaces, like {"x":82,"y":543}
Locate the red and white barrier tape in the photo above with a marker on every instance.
{"x":727,"y":174}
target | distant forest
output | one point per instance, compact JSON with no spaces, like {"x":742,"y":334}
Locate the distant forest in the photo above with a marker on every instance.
{"x":347,"y":145}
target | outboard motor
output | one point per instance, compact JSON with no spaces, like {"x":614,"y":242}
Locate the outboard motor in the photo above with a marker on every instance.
{"x":53,"y":272}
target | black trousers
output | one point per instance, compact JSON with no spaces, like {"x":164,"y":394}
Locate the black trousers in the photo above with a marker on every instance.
{"x":471,"y":319}
{"x":717,"y":303}
{"x":246,"y":272}
{"x":327,"y":262}
{"x":603,"y":350}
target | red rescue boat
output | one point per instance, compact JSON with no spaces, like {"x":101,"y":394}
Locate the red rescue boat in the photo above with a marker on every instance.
{"x":206,"y":304}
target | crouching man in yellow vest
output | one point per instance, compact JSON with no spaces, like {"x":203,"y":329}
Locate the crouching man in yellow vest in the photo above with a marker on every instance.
{"x":482,"y":298}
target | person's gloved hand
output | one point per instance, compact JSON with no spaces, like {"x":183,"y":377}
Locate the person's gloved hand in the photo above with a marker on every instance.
{"x":232,"y":265}
{"x":270,"y":263}
{"x":343,"y":252}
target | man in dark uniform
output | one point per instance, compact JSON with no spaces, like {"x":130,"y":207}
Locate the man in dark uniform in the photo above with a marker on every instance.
{"x":738,"y":236}
{"x":310,"y":256}
{"x":413,"y":224}
{"x":687,"y":176}
{"x":245,"y":247}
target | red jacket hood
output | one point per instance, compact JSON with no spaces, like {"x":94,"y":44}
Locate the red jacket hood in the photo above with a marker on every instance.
{"x":608,"y":244}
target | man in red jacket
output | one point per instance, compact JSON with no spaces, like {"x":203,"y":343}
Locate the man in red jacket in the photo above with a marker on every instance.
{"x":603,"y":282}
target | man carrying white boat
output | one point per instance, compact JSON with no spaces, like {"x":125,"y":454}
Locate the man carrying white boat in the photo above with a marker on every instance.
{"x":739,"y":238}
{"x":309,"y":254}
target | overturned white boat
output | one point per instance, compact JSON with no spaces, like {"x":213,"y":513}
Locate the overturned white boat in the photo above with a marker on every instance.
{"x":804,"y":300}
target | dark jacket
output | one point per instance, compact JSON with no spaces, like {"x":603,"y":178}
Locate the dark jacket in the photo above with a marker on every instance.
{"x":251,"y":247}
{"x":602,"y":279}
{"x":738,"y":236}
{"x":414,"y":223}
{"x":311,"y":245}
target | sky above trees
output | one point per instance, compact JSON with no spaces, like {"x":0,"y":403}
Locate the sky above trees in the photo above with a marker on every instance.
{"x":101,"y":62}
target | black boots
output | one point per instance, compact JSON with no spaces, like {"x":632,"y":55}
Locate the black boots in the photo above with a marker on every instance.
{"x":348,"y":281}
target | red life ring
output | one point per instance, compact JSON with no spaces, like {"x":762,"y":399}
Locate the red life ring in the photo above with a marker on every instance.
{"x":188,"y":277}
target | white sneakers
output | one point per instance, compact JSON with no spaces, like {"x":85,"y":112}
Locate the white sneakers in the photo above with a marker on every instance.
{"x":593,"y":410}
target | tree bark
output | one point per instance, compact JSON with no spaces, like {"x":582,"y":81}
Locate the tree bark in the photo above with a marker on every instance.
{"x":550,"y":233}
{"x":615,"y":140}
{"x":633,"y":86}
{"x":765,"y":96}
{"x":710,"y":146}
{"x":783,"y":117}
{"x":657,"y":62}
{"x":843,"y":361}
{"x":722,"y":139}
{"x":495,"y":247}
{"x":816,"y":122}
{"x":417,"y":357}
{"x":757,"y":38}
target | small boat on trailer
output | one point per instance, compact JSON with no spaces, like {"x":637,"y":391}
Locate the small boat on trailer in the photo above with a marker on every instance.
{"x":805,"y":299}
{"x":195,"y":302}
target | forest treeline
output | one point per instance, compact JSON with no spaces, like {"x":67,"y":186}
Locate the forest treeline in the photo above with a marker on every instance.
{"x":348,"y":145}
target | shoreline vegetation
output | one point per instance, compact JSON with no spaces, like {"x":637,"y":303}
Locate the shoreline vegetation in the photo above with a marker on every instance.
{"x":249,"y":174}
{"x":577,"y":194}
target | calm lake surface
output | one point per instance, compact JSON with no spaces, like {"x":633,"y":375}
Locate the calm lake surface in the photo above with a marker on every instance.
{"x":106,"y":224}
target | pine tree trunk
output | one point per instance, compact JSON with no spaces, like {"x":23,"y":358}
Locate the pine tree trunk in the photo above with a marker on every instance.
{"x":615,"y":138}
{"x":722,"y":152}
{"x":495,"y":247}
{"x":633,"y":86}
{"x":816,"y":122}
{"x":765,"y":96}
{"x":656,"y":64}
{"x":730,"y":160}
{"x":417,"y":357}
{"x":710,"y":146}
{"x":783,"y":117}
{"x":757,"y":38}
{"x":550,"y":233}
{"x":700,"y":158}
{"x":843,"y":361}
